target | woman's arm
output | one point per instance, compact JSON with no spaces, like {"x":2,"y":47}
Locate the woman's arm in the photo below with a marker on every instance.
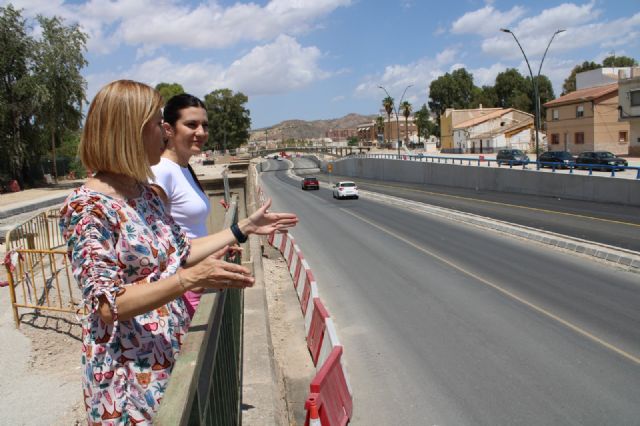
{"x":139,"y":298}
{"x":261,"y":222}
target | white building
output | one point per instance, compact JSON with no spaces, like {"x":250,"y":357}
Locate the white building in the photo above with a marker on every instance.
{"x":629,"y":106}
{"x":601,"y":77}
{"x":500,"y":129}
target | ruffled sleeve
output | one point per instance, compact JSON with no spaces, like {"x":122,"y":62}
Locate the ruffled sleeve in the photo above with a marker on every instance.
{"x":94,"y":261}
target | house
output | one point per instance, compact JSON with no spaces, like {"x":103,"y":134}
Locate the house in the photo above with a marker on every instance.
{"x":485,"y":130}
{"x":587,"y":120}
{"x":629,"y":106}
{"x":408,"y":131}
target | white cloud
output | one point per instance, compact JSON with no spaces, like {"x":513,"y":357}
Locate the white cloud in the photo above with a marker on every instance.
{"x":485,"y":21}
{"x":395,"y":78}
{"x":172,"y":23}
{"x":281,"y":66}
{"x":535,"y":32}
{"x":487,"y":76}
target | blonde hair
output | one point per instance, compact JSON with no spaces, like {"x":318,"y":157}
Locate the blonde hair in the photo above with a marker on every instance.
{"x":112,"y":136}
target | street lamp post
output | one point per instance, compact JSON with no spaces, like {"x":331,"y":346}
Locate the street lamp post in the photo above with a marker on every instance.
{"x":395,"y":108}
{"x":536,"y":97}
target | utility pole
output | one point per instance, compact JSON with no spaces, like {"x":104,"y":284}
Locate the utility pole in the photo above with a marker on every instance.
{"x":395,"y":108}
{"x":534,"y":81}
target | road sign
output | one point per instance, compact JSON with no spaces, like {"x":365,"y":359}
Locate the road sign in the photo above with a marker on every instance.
{"x":329,"y":167}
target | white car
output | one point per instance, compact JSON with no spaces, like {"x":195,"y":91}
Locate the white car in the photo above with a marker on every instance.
{"x":345,"y":189}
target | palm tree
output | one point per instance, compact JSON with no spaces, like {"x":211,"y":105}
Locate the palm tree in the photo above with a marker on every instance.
{"x":405,"y":106}
{"x":379,"y":125}
{"x":387,"y":103}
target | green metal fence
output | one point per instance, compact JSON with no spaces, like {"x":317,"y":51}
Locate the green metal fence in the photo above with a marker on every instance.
{"x":206,"y":382}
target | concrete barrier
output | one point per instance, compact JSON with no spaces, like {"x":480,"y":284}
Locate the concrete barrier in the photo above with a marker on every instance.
{"x":516,"y":180}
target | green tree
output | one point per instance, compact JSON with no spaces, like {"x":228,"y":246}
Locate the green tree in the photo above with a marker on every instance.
{"x":619,"y":61}
{"x":169,"y":90}
{"x":379,"y":126}
{"x":229,"y":120}
{"x":69,"y":149}
{"x":60,"y":60}
{"x":19,"y":93}
{"x":387,"y":104}
{"x":513,"y":90}
{"x":352,"y":141}
{"x":453,"y":90}
{"x":569,"y":84}
{"x":485,"y":96}
{"x":405,"y":106}
{"x":421,"y":118}
{"x":545,"y":89}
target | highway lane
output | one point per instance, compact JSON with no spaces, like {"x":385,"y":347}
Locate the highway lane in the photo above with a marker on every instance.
{"x":610,"y":224}
{"x":446,"y":324}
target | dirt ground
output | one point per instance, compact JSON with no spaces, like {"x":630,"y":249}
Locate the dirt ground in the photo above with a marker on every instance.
{"x":53,"y":347}
{"x":293,"y":361}
{"x":42,"y":356}
{"x":55,"y":341}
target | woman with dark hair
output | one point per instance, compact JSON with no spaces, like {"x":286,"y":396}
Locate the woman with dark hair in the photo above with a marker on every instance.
{"x":186,"y":130}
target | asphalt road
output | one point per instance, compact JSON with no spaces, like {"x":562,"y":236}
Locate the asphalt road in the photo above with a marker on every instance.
{"x":448,"y":324}
{"x":611,"y":224}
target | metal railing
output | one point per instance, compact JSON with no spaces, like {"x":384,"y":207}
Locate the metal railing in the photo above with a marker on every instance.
{"x":41,"y":232}
{"x":479,"y":161}
{"x":206,"y":382}
{"x":38,"y":271}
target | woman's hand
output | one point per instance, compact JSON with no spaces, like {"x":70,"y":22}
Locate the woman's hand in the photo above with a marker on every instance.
{"x":215,"y":273}
{"x":231,"y":251}
{"x":264,"y":223}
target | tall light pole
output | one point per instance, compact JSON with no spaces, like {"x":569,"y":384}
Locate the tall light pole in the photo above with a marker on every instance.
{"x":395,"y":108}
{"x":536,"y":97}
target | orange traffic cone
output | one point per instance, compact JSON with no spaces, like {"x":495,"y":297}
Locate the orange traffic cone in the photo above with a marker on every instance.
{"x":314,"y":417}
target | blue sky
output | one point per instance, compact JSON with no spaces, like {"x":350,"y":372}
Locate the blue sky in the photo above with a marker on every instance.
{"x":322,"y":59}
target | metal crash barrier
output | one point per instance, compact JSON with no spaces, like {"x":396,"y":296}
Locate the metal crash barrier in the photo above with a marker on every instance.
{"x":38,"y":272}
{"x":206,"y":382}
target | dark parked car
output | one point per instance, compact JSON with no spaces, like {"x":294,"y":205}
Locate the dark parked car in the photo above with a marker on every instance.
{"x":511,"y":156}
{"x":310,"y":183}
{"x":560,"y":159}
{"x":605,"y":159}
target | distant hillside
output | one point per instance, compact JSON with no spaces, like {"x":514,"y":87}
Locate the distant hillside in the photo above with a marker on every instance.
{"x":300,"y":129}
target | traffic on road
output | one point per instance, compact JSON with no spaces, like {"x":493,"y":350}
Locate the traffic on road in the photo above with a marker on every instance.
{"x":446,"y":323}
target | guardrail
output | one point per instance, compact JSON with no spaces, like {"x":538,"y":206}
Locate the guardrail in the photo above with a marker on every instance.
{"x":479,"y":161}
{"x":38,"y":272}
{"x":205,"y":385}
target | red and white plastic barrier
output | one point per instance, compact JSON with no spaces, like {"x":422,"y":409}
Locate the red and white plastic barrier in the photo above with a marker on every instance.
{"x":330,"y":401}
{"x":330,"y":398}
{"x":331,"y":394}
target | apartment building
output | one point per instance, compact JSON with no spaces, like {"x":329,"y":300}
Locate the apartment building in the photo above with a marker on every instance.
{"x":587,"y":120}
{"x":629,"y":106}
{"x":368,"y":132}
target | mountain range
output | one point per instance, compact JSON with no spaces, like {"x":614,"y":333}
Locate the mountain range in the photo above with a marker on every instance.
{"x":301,"y":129}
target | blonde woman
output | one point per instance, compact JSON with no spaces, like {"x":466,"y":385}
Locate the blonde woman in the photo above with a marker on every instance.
{"x":132,"y":261}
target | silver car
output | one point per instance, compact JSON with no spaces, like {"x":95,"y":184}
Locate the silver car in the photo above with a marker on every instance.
{"x":345,"y":189}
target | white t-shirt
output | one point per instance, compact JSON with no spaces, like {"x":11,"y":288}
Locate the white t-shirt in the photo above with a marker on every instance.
{"x":189,"y":206}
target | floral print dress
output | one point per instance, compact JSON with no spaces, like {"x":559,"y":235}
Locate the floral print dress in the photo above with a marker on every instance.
{"x":112,"y":244}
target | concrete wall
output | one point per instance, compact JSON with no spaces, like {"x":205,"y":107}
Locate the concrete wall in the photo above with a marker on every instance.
{"x":574,"y":187}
